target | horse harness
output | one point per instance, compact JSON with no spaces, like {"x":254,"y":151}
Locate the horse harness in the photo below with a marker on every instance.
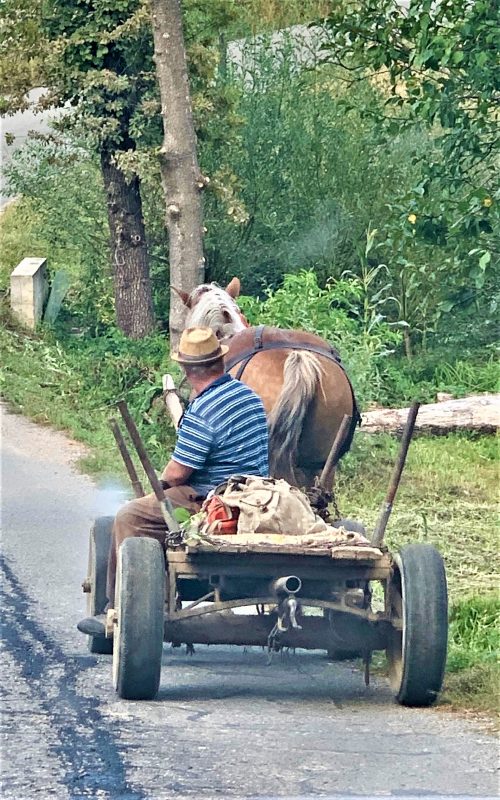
{"x":260,"y":345}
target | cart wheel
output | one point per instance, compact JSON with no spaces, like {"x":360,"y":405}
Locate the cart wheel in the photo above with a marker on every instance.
{"x":100,"y":538}
{"x":138,"y":635}
{"x":419,"y":602}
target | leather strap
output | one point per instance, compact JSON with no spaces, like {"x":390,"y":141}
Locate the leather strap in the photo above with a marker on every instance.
{"x":257,"y":337}
{"x":244,"y":357}
{"x":330,"y":353}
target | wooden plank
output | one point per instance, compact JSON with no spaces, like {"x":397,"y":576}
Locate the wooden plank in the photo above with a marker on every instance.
{"x":203,"y":563}
{"x":357,"y":553}
{"x":340,"y":552}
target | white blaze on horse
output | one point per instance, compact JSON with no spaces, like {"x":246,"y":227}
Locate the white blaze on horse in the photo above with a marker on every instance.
{"x":298,"y":375}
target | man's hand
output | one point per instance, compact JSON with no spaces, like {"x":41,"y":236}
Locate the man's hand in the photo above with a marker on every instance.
{"x":175,"y":474}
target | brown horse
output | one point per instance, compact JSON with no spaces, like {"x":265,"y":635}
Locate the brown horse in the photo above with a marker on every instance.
{"x":298,"y":375}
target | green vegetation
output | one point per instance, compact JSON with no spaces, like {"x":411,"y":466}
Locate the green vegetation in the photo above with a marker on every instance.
{"x":447,"y":497}
{"x":473,"y":679}
{"x":474,"y":625}
{"x":346,"y":313}
{"x":73,"y":383}
{"x":438,"y":64}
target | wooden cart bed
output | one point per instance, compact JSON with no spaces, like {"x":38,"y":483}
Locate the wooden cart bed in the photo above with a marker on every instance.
{"x":282,"y":544}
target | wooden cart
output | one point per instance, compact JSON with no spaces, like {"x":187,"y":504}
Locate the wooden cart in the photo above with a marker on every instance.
{"x":342,"y":599}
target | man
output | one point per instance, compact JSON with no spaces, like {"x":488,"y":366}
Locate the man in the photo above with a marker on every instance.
{"x":223,"y":432}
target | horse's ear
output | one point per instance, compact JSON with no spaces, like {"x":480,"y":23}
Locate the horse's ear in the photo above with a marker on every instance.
{"x":183,"y":295}
{"x":233,"y":288}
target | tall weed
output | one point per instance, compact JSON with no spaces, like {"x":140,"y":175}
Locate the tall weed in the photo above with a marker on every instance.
{"x":425,"y":376}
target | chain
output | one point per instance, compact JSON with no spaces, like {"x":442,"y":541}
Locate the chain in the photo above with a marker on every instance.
{"x":173,"y":539}
{"x":334,"y":504}
{"x":320,"y":501}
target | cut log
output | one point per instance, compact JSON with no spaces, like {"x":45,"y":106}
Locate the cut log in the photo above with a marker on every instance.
{"x":479,"y":413}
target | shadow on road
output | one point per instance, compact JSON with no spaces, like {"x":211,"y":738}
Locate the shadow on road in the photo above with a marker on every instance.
{"x":300,"y":677}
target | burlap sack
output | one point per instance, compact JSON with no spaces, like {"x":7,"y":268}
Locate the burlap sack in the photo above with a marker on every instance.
{"x":270,"y":505}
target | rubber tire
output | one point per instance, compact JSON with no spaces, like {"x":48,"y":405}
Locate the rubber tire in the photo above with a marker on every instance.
{"x":99,"y":543}
{"x":350,"y":525}
{"x":417,"y":653}
{"x":140,"y":606}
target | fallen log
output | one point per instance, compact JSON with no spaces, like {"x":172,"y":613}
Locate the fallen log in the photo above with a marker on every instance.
{"x":478,"y":413}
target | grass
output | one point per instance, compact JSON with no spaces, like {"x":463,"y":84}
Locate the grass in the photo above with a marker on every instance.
{"x":73,"y":385}
{"x":472,"y":679}
{"x":447,"y":497}
{"x":425,"y":376}
{"x":448,"y":494}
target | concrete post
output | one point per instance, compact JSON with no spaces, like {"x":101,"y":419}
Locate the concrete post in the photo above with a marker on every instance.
{"x":28,"y":290}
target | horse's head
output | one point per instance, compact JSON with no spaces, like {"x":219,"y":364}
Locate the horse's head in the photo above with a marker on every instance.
{"x":210,"y":305}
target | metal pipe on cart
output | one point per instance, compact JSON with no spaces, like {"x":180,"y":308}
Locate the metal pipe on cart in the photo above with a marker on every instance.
{"x":326,"y":477}
{"x":289,"y":584}
{"x":165,"y":504}
{"x":127,"y":460}
{"x":386,"y":509}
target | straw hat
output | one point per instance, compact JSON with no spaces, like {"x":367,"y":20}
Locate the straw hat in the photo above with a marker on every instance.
{"x":199,"y":346}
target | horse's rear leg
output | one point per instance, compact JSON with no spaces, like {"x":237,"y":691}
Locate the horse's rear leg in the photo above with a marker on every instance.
{"x":307,"y":473}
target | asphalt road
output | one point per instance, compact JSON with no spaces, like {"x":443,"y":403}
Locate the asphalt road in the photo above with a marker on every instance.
{"x":225,"y":725}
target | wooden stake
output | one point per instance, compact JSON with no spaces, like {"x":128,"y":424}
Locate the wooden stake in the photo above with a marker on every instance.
{"x":172,"y":402}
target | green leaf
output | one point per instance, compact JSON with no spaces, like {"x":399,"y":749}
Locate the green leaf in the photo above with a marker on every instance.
{"x":181,"y":515}
{"x":484,"y":260}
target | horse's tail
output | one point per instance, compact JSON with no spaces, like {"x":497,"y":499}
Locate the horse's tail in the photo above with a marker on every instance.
{"x":301,"y":376}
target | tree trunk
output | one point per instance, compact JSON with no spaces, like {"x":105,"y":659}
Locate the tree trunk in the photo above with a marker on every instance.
{"x":181,"y":177}
{"x":407,"y":341}
{"x":133,"y":300}
{"x":479,"y":413}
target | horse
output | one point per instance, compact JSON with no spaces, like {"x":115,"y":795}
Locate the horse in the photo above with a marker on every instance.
{"x":298,"y":375}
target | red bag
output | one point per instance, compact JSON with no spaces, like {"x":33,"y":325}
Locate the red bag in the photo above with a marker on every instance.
{"x":221,"y":518}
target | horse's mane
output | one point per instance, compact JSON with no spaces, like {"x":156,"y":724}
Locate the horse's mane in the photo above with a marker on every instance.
{"x":215,"y":309}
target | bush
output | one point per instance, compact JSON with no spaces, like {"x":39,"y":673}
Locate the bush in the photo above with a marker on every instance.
{"x":62,"y":216}
{"x":304,"y":178}
{"x":74,"y":384}
{"x":424,"y":376}
{"x":344,"y":313}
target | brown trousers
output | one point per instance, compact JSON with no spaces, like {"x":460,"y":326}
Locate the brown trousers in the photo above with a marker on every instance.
{"x":143,"y":517}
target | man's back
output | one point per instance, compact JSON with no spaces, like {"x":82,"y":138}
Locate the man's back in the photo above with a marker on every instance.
{"x":223,"y":432}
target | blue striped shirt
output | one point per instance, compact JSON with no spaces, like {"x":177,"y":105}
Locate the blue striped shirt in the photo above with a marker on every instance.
{"x":223,"y":432}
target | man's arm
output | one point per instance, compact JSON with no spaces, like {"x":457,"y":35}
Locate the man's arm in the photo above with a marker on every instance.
{"x":175,"y":474}
{"x":194,"y":441}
